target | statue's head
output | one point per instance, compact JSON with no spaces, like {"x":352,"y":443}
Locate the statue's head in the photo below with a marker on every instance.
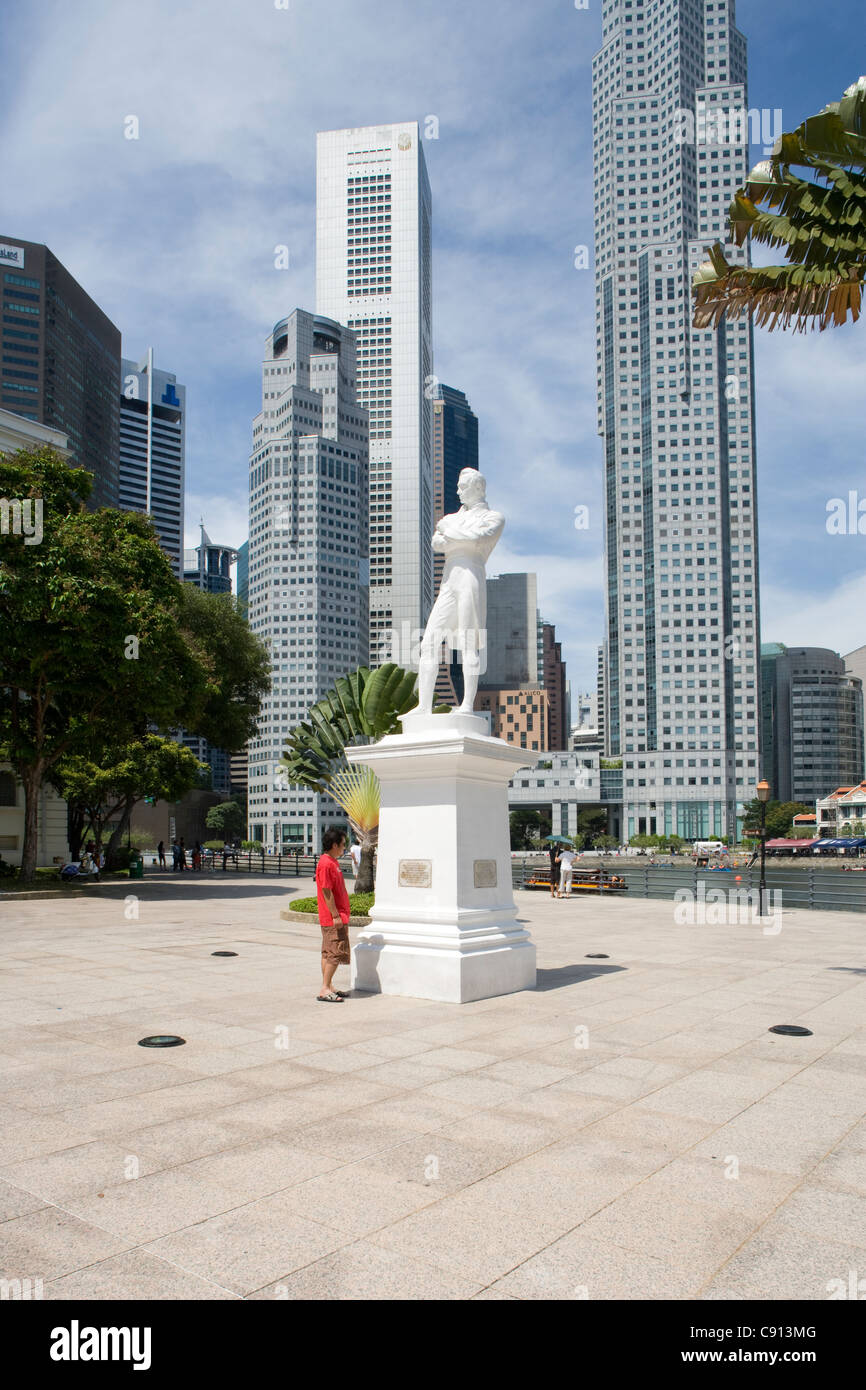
{"x":471,"y":487}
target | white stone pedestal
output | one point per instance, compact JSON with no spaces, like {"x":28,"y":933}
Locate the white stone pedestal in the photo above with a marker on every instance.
{"x":444,"y":925}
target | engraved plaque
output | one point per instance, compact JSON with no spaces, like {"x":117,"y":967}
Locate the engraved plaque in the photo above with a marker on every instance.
{"x":485,"y":873}
{"x":415,"y":873}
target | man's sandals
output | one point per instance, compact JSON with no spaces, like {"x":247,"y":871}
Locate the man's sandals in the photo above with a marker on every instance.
{"x":334,"y":996}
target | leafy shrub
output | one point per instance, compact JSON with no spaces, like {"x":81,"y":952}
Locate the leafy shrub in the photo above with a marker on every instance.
{"x":359,"y":904}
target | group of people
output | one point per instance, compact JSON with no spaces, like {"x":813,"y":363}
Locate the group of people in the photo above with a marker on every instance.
{"x":179,"y":855}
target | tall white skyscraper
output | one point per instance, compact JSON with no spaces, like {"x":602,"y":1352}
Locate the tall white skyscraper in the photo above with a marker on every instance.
{"x":676,"y":412}
{"x":373,"y":273}
{"x":308,"y":580}
{"x":153,"y":450}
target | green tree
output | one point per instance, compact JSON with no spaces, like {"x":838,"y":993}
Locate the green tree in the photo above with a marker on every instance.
{"x":227,"y":817}
{"x":525,"y":826}
{"x":362,"y":707}
{"x":819,"y":221}
{"x":592,"y":824}
{"x":780,"y":817}
{"x":89,"y":626}
{"x":235,"y":666}
{"x":101,"y":643}
{"x":152,"y":767}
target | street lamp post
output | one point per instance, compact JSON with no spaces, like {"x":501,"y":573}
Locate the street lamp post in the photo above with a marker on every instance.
{"x":763,"y":792}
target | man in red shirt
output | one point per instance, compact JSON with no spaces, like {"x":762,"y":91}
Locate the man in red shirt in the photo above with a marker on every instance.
{"x":333,"y":904}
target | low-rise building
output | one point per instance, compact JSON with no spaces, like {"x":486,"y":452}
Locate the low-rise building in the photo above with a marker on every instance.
{"x":565,"y":784}
{"x":843,"y":812}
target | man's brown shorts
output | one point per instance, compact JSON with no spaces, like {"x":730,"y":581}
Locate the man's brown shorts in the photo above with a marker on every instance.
{"x":335,"y":944}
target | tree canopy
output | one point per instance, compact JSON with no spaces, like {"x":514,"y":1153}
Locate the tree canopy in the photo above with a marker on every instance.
{"x":102,"y":644}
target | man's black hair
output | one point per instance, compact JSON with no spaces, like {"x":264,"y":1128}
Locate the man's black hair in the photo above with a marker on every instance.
{"x":332,"y":836}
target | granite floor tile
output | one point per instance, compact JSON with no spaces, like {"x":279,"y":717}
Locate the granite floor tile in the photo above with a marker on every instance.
{"x":51,"y":1242}
{"x":251,"y":1246}
{"x":580,"y":1267}
{"x":131,"y":1276}
{"x":362,"y":1271}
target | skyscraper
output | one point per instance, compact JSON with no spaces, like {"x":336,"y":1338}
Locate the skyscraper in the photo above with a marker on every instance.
{"x":455,"y":447}
{"x":676,"y":413}
{"x":308,"y":568}
{"x":812,"y":714}
{"x":153,"y":450}
{"x":61,"y":360}
{"x":553,"y":676}
{"x":242,"y":579}
{"x":208,"y":566}
{"x":512,"y":634}
{"x":373,"y":273}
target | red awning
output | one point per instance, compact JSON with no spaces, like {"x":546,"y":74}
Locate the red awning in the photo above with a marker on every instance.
{"x":790,"y":844}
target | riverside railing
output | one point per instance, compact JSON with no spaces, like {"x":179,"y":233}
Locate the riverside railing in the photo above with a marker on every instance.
{"x":249,"y":862}
{"x":814,"y":889}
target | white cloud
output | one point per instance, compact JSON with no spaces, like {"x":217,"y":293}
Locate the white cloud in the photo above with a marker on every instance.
{"x":173,"y":234}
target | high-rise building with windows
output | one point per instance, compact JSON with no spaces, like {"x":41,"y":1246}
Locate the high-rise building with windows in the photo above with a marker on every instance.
{"x":60,"y":360}
{"x":308,"y":568}
{"x":208,"y":567}
{"x":556,"y":685}
{"x":455,"y":447}
{"x":373,"y":273}
{"x":676,"y":414}
{"x":242,"y":574}
{"x":512,"y":650}
{"x":812,"y":715}
{"x":153,"y":451}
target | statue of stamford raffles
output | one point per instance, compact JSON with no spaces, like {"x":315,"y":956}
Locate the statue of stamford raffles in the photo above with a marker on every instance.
{"x":459,"y":616}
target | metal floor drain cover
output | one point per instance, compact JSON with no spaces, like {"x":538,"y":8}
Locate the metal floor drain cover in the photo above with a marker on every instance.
{"x":791,"y":1030}
{"x":223,"y":953}
{"x":597,"y":957}
{"x":162,"y":1040}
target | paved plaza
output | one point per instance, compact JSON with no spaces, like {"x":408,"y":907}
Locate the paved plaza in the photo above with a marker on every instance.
{"x":629,"y":1129}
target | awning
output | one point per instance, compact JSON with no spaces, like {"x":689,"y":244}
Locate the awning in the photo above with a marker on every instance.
{"x":858,"y":842}
{"x":791,"y":844}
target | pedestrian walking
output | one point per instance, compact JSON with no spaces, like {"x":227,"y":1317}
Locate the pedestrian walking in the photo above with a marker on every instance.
{"x":196,"y":856}
{"x":333,"y":903}
{"x":355,"y":856}
{"x":553,"y":852}
{"x":175,"y":856}
{"x":566,"y":869}
{"x":226,"y":853}
{"x":160,"y":850}
{"x":183,"y":863}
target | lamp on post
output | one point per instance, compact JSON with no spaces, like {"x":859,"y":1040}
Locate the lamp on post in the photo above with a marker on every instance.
{"x":763,"y":794}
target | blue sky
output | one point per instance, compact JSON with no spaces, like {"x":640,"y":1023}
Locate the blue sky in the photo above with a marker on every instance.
{"x":174,"y":235}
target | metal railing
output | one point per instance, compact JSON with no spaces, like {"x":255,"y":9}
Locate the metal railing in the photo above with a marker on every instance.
{"x":827,"y":889}
{"x":294,"y":865}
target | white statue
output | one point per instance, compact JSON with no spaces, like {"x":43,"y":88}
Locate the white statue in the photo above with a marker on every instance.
{"x":459,"y":616}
